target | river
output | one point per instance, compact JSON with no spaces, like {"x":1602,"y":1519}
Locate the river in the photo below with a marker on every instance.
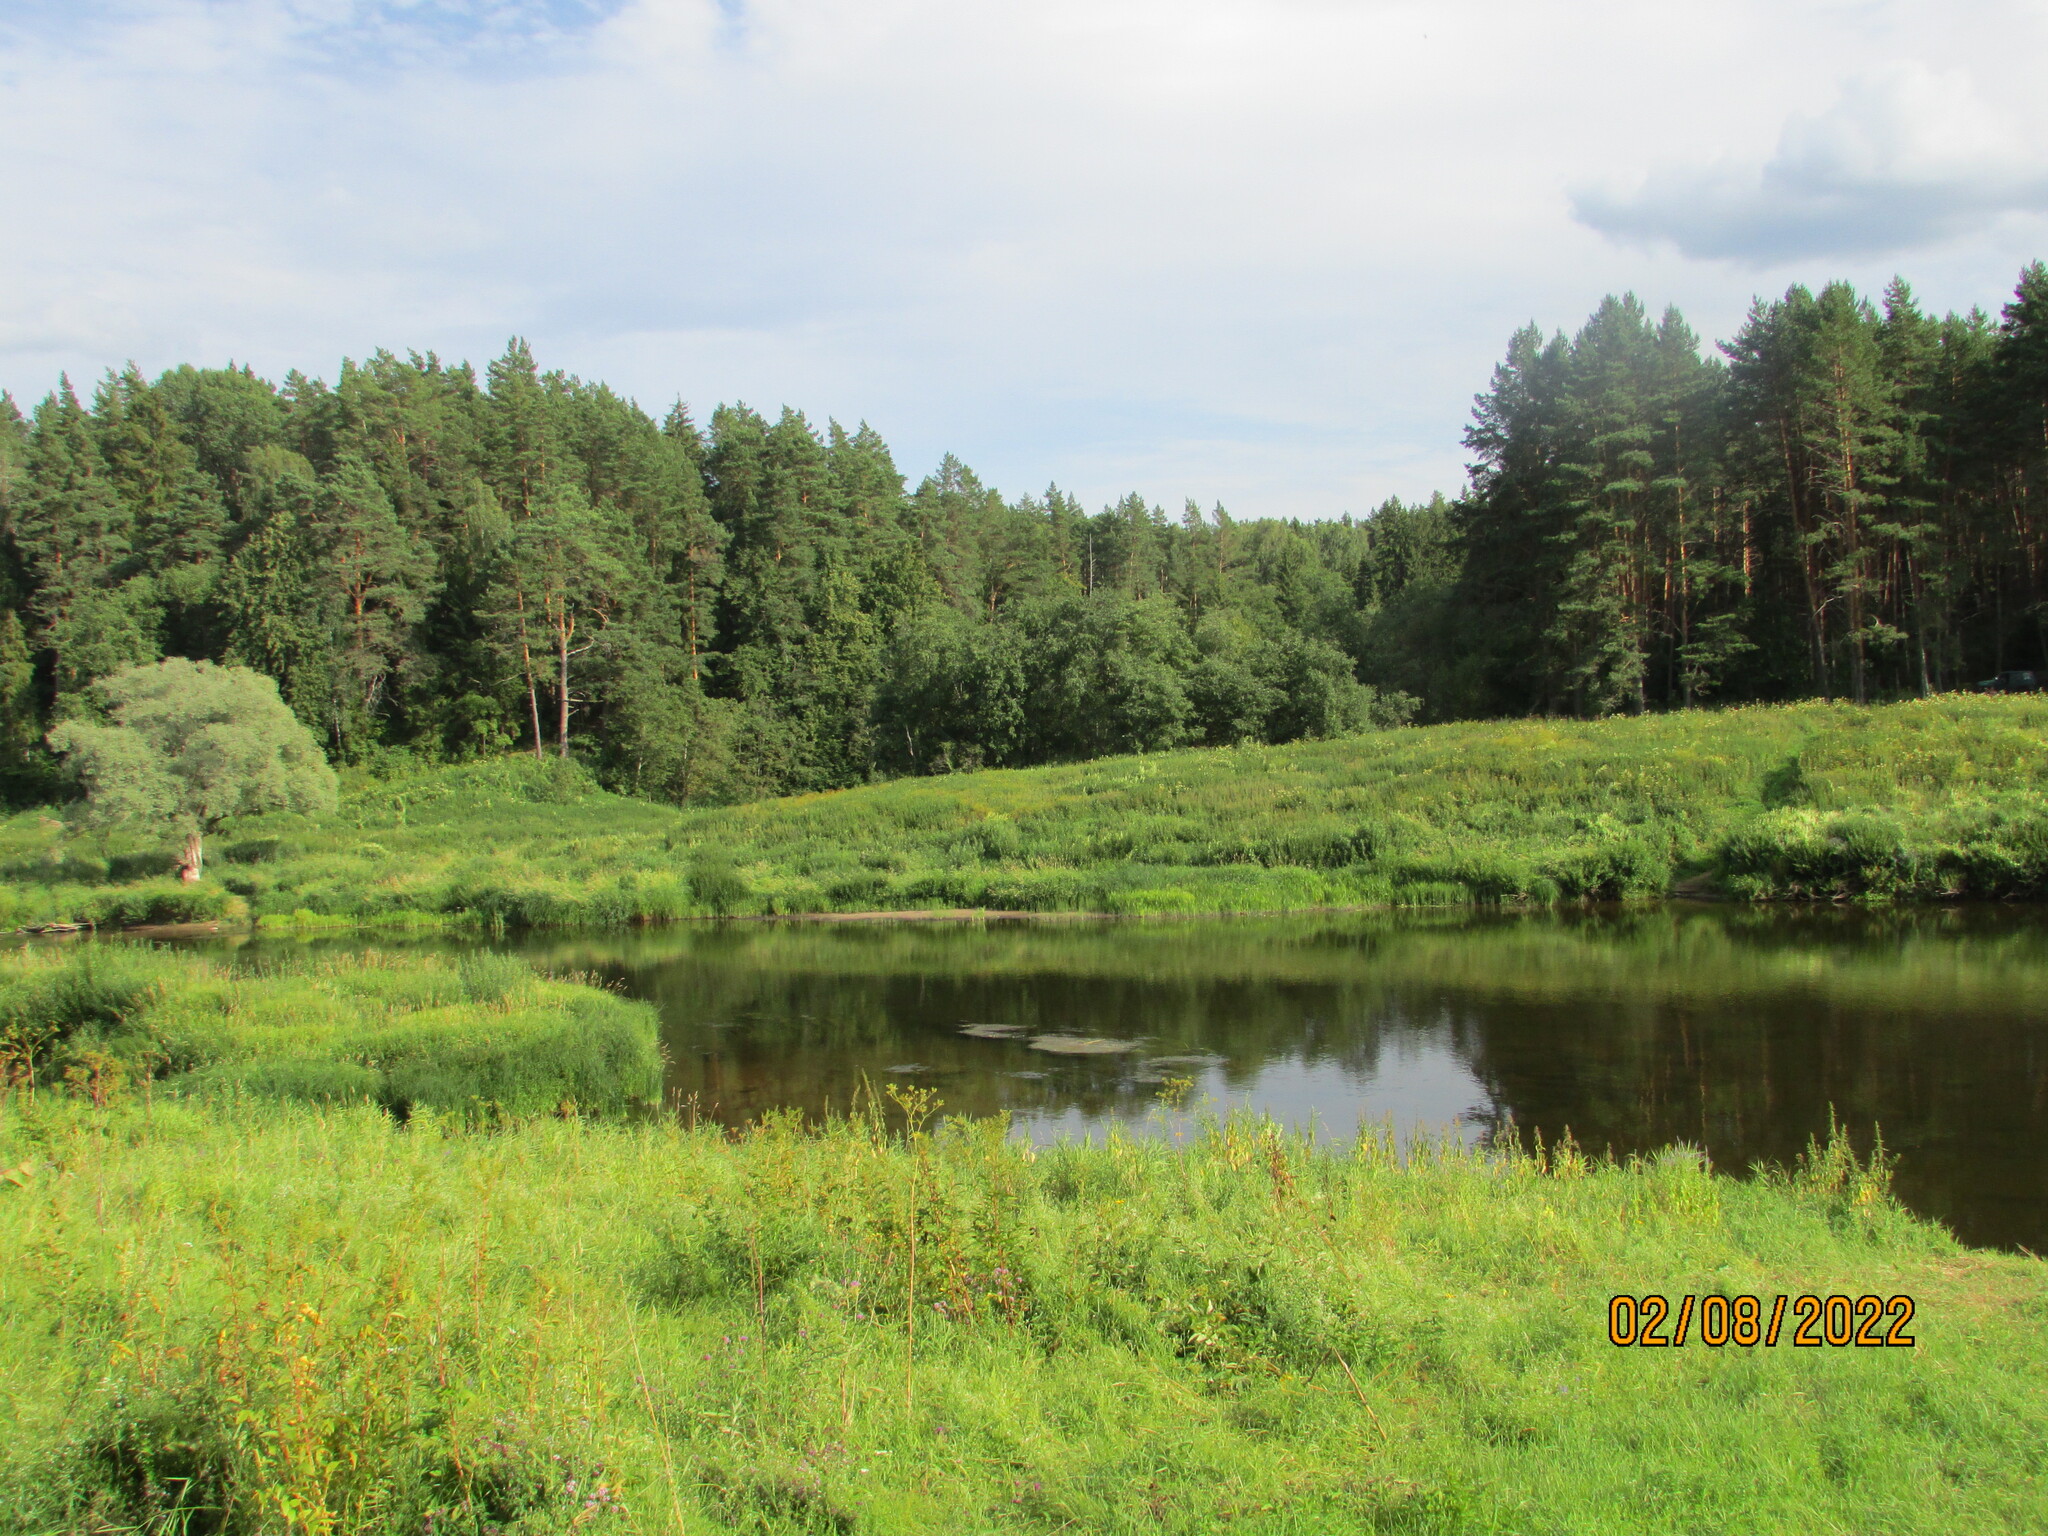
{"x":1738,"y":1030}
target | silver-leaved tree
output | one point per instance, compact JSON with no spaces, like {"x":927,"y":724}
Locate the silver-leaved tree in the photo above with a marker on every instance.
{"x":186,"y":746}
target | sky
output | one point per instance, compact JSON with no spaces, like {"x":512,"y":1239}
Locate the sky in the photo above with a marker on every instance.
{"x":1256,"y":252}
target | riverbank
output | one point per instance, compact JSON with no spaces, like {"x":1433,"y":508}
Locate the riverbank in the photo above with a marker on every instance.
{"x":1944,"y":799}
{"x":255,"y":1316}
{"x":244,"y":1294}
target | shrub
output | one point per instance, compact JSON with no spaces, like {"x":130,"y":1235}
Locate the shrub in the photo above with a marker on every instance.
{"x":995,"y":839}
{"x":1611,"y":869}
{"x":47,"y":1000}
{"x":141,"y":866}
{"x":259,"y":850}
{"x":858,"y":889}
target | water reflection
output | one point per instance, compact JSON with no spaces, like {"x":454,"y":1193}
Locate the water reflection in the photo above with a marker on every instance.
{"x":1732,"y":1029}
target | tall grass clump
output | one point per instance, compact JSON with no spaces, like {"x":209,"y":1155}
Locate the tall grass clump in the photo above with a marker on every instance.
{"x":482,"y":1036}
{"x":1940,"y":799}
{"x":249,"y":1316}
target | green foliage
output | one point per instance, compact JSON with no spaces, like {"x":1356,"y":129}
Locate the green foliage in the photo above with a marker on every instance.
{"x":162,"y":901}
{"x":254,"y":1315}
{"x":1500,"y":812}
{"x":429,"y":559}
{"x":483,"y":1038}
{"x":188,"y":746}
{"x":1845,"y":509}
{"x":448,"y":561}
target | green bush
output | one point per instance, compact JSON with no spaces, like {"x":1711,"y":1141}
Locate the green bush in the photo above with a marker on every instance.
{"x":260,"y":850}
{"x":1994,"y":852}
{"x":858,"y":888}
{"x":47,"y":998}
{"x":1800,"y":853}
{"x":1613,"y":868}
{"x":498,"y":906}
{"x":996,"y":839}
{"x":141,"y":866}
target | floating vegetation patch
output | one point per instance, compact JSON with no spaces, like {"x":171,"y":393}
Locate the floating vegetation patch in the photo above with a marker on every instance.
{"x":1081,"y":1045}
{"x":995,"y":1031}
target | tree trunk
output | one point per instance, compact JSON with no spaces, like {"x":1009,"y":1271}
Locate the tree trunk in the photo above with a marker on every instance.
{"x":562,"y":694}
{"x":526,"y":660}
{"x":191,"y":865}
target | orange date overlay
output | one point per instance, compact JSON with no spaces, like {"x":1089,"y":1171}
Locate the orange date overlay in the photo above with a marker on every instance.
{"x":1838,"y":1322}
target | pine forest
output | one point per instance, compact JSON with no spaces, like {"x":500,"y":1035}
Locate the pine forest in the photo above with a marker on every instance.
{"x":1847,"y":500}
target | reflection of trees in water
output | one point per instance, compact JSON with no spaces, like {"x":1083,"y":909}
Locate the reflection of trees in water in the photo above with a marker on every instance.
{"x":1735,"y":1028}
{"x":804,"y":1040}
{"x":1984,"y":957}
{"x":1962,"y":1097}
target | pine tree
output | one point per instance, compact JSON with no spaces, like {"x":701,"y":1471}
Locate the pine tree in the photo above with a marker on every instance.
{"x":179,"y":522}
{"x":74,"y":533}
{"x":278,"y":593}
{"x":523,"y":433}
{"x":2016,"y":540}
{"x":226,"y":415}
{"x":1852,"y":440}
{"x":1512,"y":526}
{"x":21,"y":716}
{"x":384,"y":578}
{"x":567,"y":586}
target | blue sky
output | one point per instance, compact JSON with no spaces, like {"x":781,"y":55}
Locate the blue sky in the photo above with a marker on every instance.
{"x":1255,"y":251}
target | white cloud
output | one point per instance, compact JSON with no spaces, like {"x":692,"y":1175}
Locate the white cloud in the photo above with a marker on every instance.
{"x":1899,"y":160}
{"x":1262,"y":250}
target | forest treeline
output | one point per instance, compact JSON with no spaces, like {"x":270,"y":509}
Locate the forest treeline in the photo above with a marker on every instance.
{"x":447,"y":563}
{"x":1848,"y":503}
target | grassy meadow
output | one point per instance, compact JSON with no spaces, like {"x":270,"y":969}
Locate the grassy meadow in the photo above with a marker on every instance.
{"x":1938,"y":799}
{"x":255,"y":1316}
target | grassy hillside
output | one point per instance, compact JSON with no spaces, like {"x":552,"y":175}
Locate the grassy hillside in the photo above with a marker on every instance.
{"x":1946,"y":798}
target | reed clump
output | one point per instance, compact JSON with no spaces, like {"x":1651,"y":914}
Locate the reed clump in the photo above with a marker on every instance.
{"x":1939,"y":799}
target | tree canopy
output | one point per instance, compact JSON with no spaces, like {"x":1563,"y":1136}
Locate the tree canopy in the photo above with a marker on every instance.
{"x":188,"y":745}
{"x":1842,"y":500}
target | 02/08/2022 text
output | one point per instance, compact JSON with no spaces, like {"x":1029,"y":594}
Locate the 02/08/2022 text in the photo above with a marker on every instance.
{"x":1659,"y":1322}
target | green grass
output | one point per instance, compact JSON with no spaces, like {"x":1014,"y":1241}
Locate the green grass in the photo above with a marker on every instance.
{"x":482,"y":1037}
{"x":1940,"y":799}
{"x":253,"y":1316}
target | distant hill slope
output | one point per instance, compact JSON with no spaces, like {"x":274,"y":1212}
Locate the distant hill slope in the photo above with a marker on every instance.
{"x":1939,"y":799}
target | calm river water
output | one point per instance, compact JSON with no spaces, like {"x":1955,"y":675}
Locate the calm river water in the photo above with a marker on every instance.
{"x":1736,"y":1030}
